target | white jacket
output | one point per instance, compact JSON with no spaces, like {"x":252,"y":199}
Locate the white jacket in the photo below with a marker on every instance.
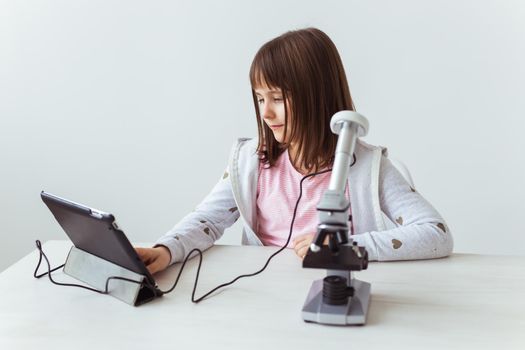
{"x":391,"y":220}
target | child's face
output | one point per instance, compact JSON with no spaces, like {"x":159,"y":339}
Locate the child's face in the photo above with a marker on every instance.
{"x":271,"y":109}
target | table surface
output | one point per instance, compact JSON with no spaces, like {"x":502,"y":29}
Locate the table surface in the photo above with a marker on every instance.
{"x":463,"y":301}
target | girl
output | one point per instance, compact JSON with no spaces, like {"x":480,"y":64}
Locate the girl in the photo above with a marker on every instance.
{"x":298,"y":83}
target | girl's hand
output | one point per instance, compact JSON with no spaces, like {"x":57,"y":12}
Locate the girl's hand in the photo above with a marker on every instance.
{"x":156,"y":259}
{"x":302,"y":244}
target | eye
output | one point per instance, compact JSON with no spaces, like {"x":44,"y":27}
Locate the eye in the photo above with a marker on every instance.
{"x":260,"y":100}
{"x":277,"y":99}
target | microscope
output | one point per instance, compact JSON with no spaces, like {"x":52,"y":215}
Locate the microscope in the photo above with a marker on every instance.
{"x":338,"y":299}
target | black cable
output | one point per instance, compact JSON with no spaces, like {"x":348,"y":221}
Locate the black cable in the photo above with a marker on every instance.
{"x":49,"y":271}
{"x":196,"y":250}
{"x":245,"y":275}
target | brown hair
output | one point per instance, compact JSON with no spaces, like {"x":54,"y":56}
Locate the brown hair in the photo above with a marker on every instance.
{"x":306,"y":66}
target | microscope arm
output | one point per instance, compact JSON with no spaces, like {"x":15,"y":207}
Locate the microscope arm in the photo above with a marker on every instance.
{"x":333,"y":207}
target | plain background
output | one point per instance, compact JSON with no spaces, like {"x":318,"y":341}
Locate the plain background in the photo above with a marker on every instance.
{"x":132,"y":106}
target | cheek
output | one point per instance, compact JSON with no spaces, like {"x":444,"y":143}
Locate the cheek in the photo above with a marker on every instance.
{"x":281,"y":113}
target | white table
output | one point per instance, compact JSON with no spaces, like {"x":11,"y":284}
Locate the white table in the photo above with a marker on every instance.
{"x":461,"y":302}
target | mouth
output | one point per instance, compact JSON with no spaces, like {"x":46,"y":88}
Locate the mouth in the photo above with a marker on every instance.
{"x":276,"y":126}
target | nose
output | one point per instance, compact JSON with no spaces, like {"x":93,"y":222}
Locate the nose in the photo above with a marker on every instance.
{"x":267,"y":111}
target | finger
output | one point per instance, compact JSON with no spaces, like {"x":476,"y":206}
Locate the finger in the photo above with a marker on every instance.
{"x":301,"y":253}
{"x":154,"y":267}
{"x":298,"y":246}
{"x":158,"y":264}
{"x":140,"y":251}
{"x":303,"y":244}
{"x":301,"y":249}
{"x":300,"y":239}
{"x":145,"y":254}
{"x":298,"y":250}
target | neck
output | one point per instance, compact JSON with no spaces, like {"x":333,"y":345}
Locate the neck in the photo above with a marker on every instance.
{"x":292,"y":151}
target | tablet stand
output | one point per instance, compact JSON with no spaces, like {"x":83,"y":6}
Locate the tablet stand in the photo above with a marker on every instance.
{"x":95,"y":271}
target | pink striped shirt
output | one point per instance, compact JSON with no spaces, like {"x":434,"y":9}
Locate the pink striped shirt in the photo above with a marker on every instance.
{"x":277,"y":194}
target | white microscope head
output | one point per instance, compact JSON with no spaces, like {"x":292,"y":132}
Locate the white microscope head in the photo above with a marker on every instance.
{"x":352,"y":117}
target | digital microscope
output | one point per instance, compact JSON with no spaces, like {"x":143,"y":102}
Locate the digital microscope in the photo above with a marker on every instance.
{"x":338,"y":299}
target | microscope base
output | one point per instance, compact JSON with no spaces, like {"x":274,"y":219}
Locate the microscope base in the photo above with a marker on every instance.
{"x":353,"y":313}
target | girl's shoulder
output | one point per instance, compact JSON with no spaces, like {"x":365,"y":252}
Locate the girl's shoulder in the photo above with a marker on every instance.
{"x":362,"y":146}
{"x":244,"y":152}
{"x":245,"y":147}
{"x":246,"y":142}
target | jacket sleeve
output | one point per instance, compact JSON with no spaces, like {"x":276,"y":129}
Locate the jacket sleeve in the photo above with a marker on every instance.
{"x":419,"y":231}
{"x":202,"y":227}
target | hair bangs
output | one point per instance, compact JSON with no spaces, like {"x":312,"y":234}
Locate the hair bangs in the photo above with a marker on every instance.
{"x":266,"y":69}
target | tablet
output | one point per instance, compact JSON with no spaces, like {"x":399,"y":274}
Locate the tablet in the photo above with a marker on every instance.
{"x":95,"y":232}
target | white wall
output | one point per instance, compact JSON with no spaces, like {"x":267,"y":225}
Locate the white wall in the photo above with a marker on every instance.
{"x":131,"y":106}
